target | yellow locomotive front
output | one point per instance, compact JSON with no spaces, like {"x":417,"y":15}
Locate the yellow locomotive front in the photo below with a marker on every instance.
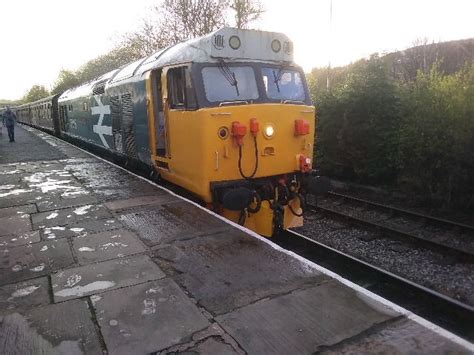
{"x":242,"y":139}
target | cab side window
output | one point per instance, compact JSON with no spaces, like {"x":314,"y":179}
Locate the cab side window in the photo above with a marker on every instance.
{"x":180,"y":90}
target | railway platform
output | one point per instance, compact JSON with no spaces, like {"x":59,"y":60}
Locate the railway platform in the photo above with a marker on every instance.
{"x":94,"y":259}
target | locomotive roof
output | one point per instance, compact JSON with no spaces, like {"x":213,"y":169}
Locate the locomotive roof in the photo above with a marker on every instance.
{"x":229,"y":44}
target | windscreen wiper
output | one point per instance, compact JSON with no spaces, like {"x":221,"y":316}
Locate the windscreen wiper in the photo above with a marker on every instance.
{"x":276,"y":79}
{"x":229,"y":75}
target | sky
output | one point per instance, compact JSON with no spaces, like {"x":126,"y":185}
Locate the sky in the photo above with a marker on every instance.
{"x":39,"y":38}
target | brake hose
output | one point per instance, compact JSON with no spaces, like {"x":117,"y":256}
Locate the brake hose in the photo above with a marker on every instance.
{"x":256,"y":161}
{"x":258,"y":203}
{"x":302,"y":205}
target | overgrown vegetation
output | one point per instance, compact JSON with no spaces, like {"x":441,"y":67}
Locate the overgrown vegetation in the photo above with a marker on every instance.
{"x":413,"y":134}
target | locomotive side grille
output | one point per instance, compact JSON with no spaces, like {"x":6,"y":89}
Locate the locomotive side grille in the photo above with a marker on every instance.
{"x":116,"y":123}
{"x":127,"y":124}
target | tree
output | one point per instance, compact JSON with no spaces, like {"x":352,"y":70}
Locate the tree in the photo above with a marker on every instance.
{"x":35,"y":93}
{"x":105,"y":63}
{"x":66,"y":80}
{"x":178,"y":20}
{"x":185,"y":19}
{"x":145,"y":41}
{"x":246,"y":11}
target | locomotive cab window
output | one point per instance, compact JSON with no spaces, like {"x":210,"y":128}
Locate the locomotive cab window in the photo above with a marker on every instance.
{"x":227,"y":84}
{"x":180,"y":89}
{"x":283,"y":84}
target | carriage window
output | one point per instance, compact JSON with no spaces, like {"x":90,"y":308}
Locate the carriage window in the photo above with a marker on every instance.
{"x":283,"y":84}
{"x":229,"y":83}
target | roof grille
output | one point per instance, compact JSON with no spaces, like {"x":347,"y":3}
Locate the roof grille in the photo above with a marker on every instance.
{"x":99,"y":88}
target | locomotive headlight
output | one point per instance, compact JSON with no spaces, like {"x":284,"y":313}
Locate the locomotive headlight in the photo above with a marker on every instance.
{"x":234,"y":42}
{"x":269,"y":131}
{"x":276,"y":45}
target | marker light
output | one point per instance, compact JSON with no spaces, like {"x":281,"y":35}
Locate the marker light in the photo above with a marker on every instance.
{"x":269,"y":131}
{"x":234,"y":42}
{"x":276,"y":45}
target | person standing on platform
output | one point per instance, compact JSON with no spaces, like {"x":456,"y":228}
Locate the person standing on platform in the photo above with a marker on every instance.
{"x":9,"y":120}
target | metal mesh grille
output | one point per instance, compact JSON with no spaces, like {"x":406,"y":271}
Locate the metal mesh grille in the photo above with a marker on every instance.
{"x":116,"y":123}
{"x":127,"y":122}
{"x":99,"y":88}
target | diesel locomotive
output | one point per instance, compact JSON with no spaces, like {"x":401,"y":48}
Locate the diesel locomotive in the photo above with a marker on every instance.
{"x":226,"y":116}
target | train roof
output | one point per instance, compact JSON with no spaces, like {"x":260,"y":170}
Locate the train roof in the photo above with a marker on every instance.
{"x":37,"y":102}
{"x":229,"y":44}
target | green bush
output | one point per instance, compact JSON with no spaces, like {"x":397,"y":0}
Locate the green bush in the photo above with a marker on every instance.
{"x":437,"y":138}
{"x":415,"y":136}
{"x":358,"y":125}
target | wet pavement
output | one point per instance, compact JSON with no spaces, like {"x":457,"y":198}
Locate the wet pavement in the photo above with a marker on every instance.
{"x":95,"y":260}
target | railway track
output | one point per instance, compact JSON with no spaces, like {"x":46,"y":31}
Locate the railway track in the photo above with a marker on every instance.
{"x":440,"y":309}
{"x":446,"y":237}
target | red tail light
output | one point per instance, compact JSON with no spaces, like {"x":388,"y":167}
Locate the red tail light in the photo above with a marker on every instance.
{"x":305,"y":163}
{"x":301,"y":127}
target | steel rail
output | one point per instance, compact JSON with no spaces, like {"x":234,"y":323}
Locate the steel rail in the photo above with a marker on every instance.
{"x":412,"y":214}
{"x":439,"y":309}
{"x":462,"y":254}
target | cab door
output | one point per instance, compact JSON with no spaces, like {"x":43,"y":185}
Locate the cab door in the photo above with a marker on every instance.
{"x":158,"y":121}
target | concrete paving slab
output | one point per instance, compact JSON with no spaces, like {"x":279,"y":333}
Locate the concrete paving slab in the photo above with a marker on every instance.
{"x":303,"y":321}
{"x":7,"y":179}
{"x":156,"y":225}
{"x":106,"y":245}
{"x":158,"y":199}
{"x":34,"y":260}
{"x":147,"y":317}
{"x":55,"y":183}
{"x":232,"y":269}
{"x":400,"y":337}
{"x":199,"y":220}
{"x":107,"y":275}
{"x":80,"y":228}
{"x":30,"y":167}
{"x":212,"y":340}
{"x":211,"y":346}
{"x":17,"y":224}
{"x":11,"y":241}
{"x":22,"y":295}
{"x":19,"y":197}
{"x":69,"y":216}
{"x":126,"y":192}
{"x":78,"y":160}
{"x":99,"y":174}
{"x":20,"y":150}
{"x":18,"y":210}
{"x":110,"y":183}
{"x":50,"y":204}
{"x":64,"y":328}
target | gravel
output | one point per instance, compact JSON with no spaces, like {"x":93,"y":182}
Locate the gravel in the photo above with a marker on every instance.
{"x":425,"y":267}
{"x":407,"y":224}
